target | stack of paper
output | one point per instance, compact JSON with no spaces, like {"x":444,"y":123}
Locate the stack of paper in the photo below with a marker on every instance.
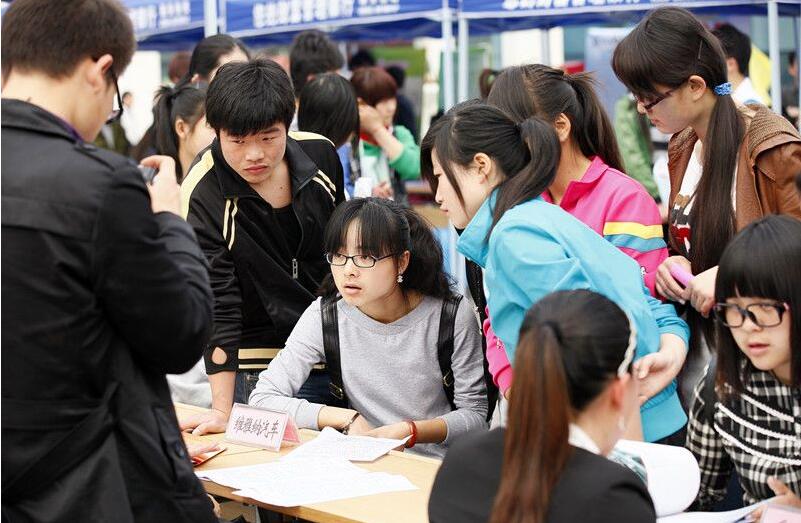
{"x":331,"y":443}
{"x":305,"y":481}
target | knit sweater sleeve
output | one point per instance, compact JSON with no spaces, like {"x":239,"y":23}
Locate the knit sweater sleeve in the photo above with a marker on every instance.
{"x":280,"y":382}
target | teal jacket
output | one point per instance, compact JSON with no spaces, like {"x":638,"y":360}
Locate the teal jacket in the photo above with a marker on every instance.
{"x":407,"y":164}
{"x":537,"y":248}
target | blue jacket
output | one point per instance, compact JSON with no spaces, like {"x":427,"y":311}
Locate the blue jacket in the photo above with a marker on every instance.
{"x":537,"y":248}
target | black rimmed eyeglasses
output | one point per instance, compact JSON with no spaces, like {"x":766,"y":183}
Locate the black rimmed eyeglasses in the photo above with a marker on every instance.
{"x":765,"y":314}
{"x":662,"y":96}
{"x":115,"y":113}
{"x":363,"y":261}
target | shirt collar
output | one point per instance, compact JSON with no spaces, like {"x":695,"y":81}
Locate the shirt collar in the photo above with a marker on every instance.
{"x":578,"y":188}
{"x":232,"y":185}
{"x":580,"y":439}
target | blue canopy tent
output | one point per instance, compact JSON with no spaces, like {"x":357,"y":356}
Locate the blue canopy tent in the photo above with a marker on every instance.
{"x":163,"y":25}
{"x":264,"y":22}
{"x":488,"y":16}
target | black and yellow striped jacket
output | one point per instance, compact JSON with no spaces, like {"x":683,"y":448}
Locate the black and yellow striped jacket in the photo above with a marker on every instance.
{"x":260,"y":288}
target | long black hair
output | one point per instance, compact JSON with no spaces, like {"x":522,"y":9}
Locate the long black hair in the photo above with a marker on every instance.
{"x":327,"y":106}
{"x":762,"y":261}
{"x":572,"y":345}
{"x":186,"y":102}
{"x":526,"y":153}
{"x":206,"y":55}
{"x":388,"y":228}
{"x":668,"y":47}
{"x":538,"y":90}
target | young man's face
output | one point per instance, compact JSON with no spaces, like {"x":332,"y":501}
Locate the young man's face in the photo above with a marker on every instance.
{"x":255,"y":157}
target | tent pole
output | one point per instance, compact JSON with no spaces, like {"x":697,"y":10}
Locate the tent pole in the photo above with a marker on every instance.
{"x":464,"y":58}
{"x":775,"y":56}
{"x":797,"y":56}
{"x":210,"y":17}
{"x":447,"y":56}
{"x":545,"y":46}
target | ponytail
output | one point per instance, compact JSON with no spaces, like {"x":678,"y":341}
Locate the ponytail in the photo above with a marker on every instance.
{"x":543,"y":151}
{"x":538,"y":90}
{"x":536,"y":443}
{"x":185,"y":102}
{"x":485,"y":81}
{"x":572,"y":345}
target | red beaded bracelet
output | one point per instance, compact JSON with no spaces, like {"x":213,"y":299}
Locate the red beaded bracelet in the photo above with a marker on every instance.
{"x":413,"y":439}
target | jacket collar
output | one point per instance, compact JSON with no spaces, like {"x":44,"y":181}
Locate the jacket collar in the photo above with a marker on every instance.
{"x":301,"y":170}
{"x":19,"y":114}
{"x":472,"y":243}
{"x":578,"y":188}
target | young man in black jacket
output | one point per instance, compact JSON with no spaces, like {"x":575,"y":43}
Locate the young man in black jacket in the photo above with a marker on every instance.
{"x":104,"y":286}
{"x":259,"y":200}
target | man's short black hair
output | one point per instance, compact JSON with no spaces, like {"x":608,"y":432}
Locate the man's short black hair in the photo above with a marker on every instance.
{"x":53,"y":37}
{"x":736,"y":44}
{"x":248,"y":97}
{"x":361,"y":58}
{"x":312,"y":53}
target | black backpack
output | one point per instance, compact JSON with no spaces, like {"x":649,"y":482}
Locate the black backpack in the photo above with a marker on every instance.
{"x":328,"y":311}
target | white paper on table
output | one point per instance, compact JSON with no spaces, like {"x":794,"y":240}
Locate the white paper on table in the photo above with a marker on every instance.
{"x":331,"y":443}
{"x":276,"y":473}
{"x":731,"y":516}
{"x":311,"y":490}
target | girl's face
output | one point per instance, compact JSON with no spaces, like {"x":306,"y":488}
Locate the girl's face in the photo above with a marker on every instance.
{"x":386,"y":108}
{"x":362,"y":286}
{"x":768,"y":348}
{"x":474,"y":186}
{"x":673,"y":111}
{"x":197,"y":138}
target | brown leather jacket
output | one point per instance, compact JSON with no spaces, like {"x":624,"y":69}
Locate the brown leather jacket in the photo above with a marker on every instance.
{"x":769,"y":160}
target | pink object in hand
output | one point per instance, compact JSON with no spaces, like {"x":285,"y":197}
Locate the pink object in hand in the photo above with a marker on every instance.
{"x":681,"y":275}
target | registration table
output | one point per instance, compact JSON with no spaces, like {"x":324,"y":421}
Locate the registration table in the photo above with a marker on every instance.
{"x":406,"y":507}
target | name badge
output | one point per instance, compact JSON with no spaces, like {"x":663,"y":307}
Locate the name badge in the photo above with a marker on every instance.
{"x":260,"y":427}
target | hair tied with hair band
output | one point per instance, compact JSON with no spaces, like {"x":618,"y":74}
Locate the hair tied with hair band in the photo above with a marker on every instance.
{"x":628,"y":357}
{"x":557,"y":331}
{"x":723,"y":89}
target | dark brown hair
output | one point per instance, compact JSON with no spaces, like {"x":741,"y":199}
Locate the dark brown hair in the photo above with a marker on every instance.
{"x":373,"y":84}
{"x":538,"y":90}
{"x":762,"y":261}
{"x":526,"y":153}
{"x":52,"y":38}
{"x":186,"y":102}
{"x":485,"y":81}
{"x":571,"y":345}
{"x":668,"y":47}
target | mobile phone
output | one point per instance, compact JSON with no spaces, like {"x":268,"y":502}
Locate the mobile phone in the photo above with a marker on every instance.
{"x":148,"y":173}
{"x":682,"y":276}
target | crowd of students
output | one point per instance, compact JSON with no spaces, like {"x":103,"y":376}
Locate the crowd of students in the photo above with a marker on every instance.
{"x":303,"y":298}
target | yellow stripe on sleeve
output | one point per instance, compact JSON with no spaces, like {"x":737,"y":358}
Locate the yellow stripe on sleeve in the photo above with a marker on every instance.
{"x":646,"y":232}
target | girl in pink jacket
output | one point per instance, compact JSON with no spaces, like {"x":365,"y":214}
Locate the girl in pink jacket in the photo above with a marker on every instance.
{"x":589,"y":183}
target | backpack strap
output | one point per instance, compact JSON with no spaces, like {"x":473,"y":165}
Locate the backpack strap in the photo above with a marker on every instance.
{"x":708,"y":393}
{"x":328,"y":312}
{"x":447,"y":323}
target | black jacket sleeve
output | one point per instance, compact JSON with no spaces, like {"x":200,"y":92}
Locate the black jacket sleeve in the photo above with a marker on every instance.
{"x":150,"y":277}
{"x":227,"y":331}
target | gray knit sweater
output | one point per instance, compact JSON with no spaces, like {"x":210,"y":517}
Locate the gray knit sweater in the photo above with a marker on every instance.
{"x":390,"y":371}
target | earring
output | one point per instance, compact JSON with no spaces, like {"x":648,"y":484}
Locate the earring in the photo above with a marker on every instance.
{"x":400,"y":278}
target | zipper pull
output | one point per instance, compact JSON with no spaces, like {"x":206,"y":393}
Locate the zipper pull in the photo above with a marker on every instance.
{"x":294,"y":268}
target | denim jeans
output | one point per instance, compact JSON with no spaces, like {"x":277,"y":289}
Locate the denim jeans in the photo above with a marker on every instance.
{"x":315,"y":389}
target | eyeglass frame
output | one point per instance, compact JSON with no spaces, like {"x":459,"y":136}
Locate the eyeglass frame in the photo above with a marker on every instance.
{"x":353,"y":259}
{"x":660,"y":98}
{"x":781,"y":307}
{"x":115,"y":114}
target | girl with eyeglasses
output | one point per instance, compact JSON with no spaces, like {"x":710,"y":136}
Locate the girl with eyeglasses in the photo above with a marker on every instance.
{"x":729,"y":164}
{"x":388,"y":287}
{"x":745,"y":414}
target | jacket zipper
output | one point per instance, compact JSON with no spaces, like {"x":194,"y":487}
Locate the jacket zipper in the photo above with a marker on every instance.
{"x":295,"y":264}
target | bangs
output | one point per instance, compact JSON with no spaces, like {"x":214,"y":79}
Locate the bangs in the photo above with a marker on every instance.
{"x":763,"y":262}
{"x":379,"y":229}
{"x":633,"y":69}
